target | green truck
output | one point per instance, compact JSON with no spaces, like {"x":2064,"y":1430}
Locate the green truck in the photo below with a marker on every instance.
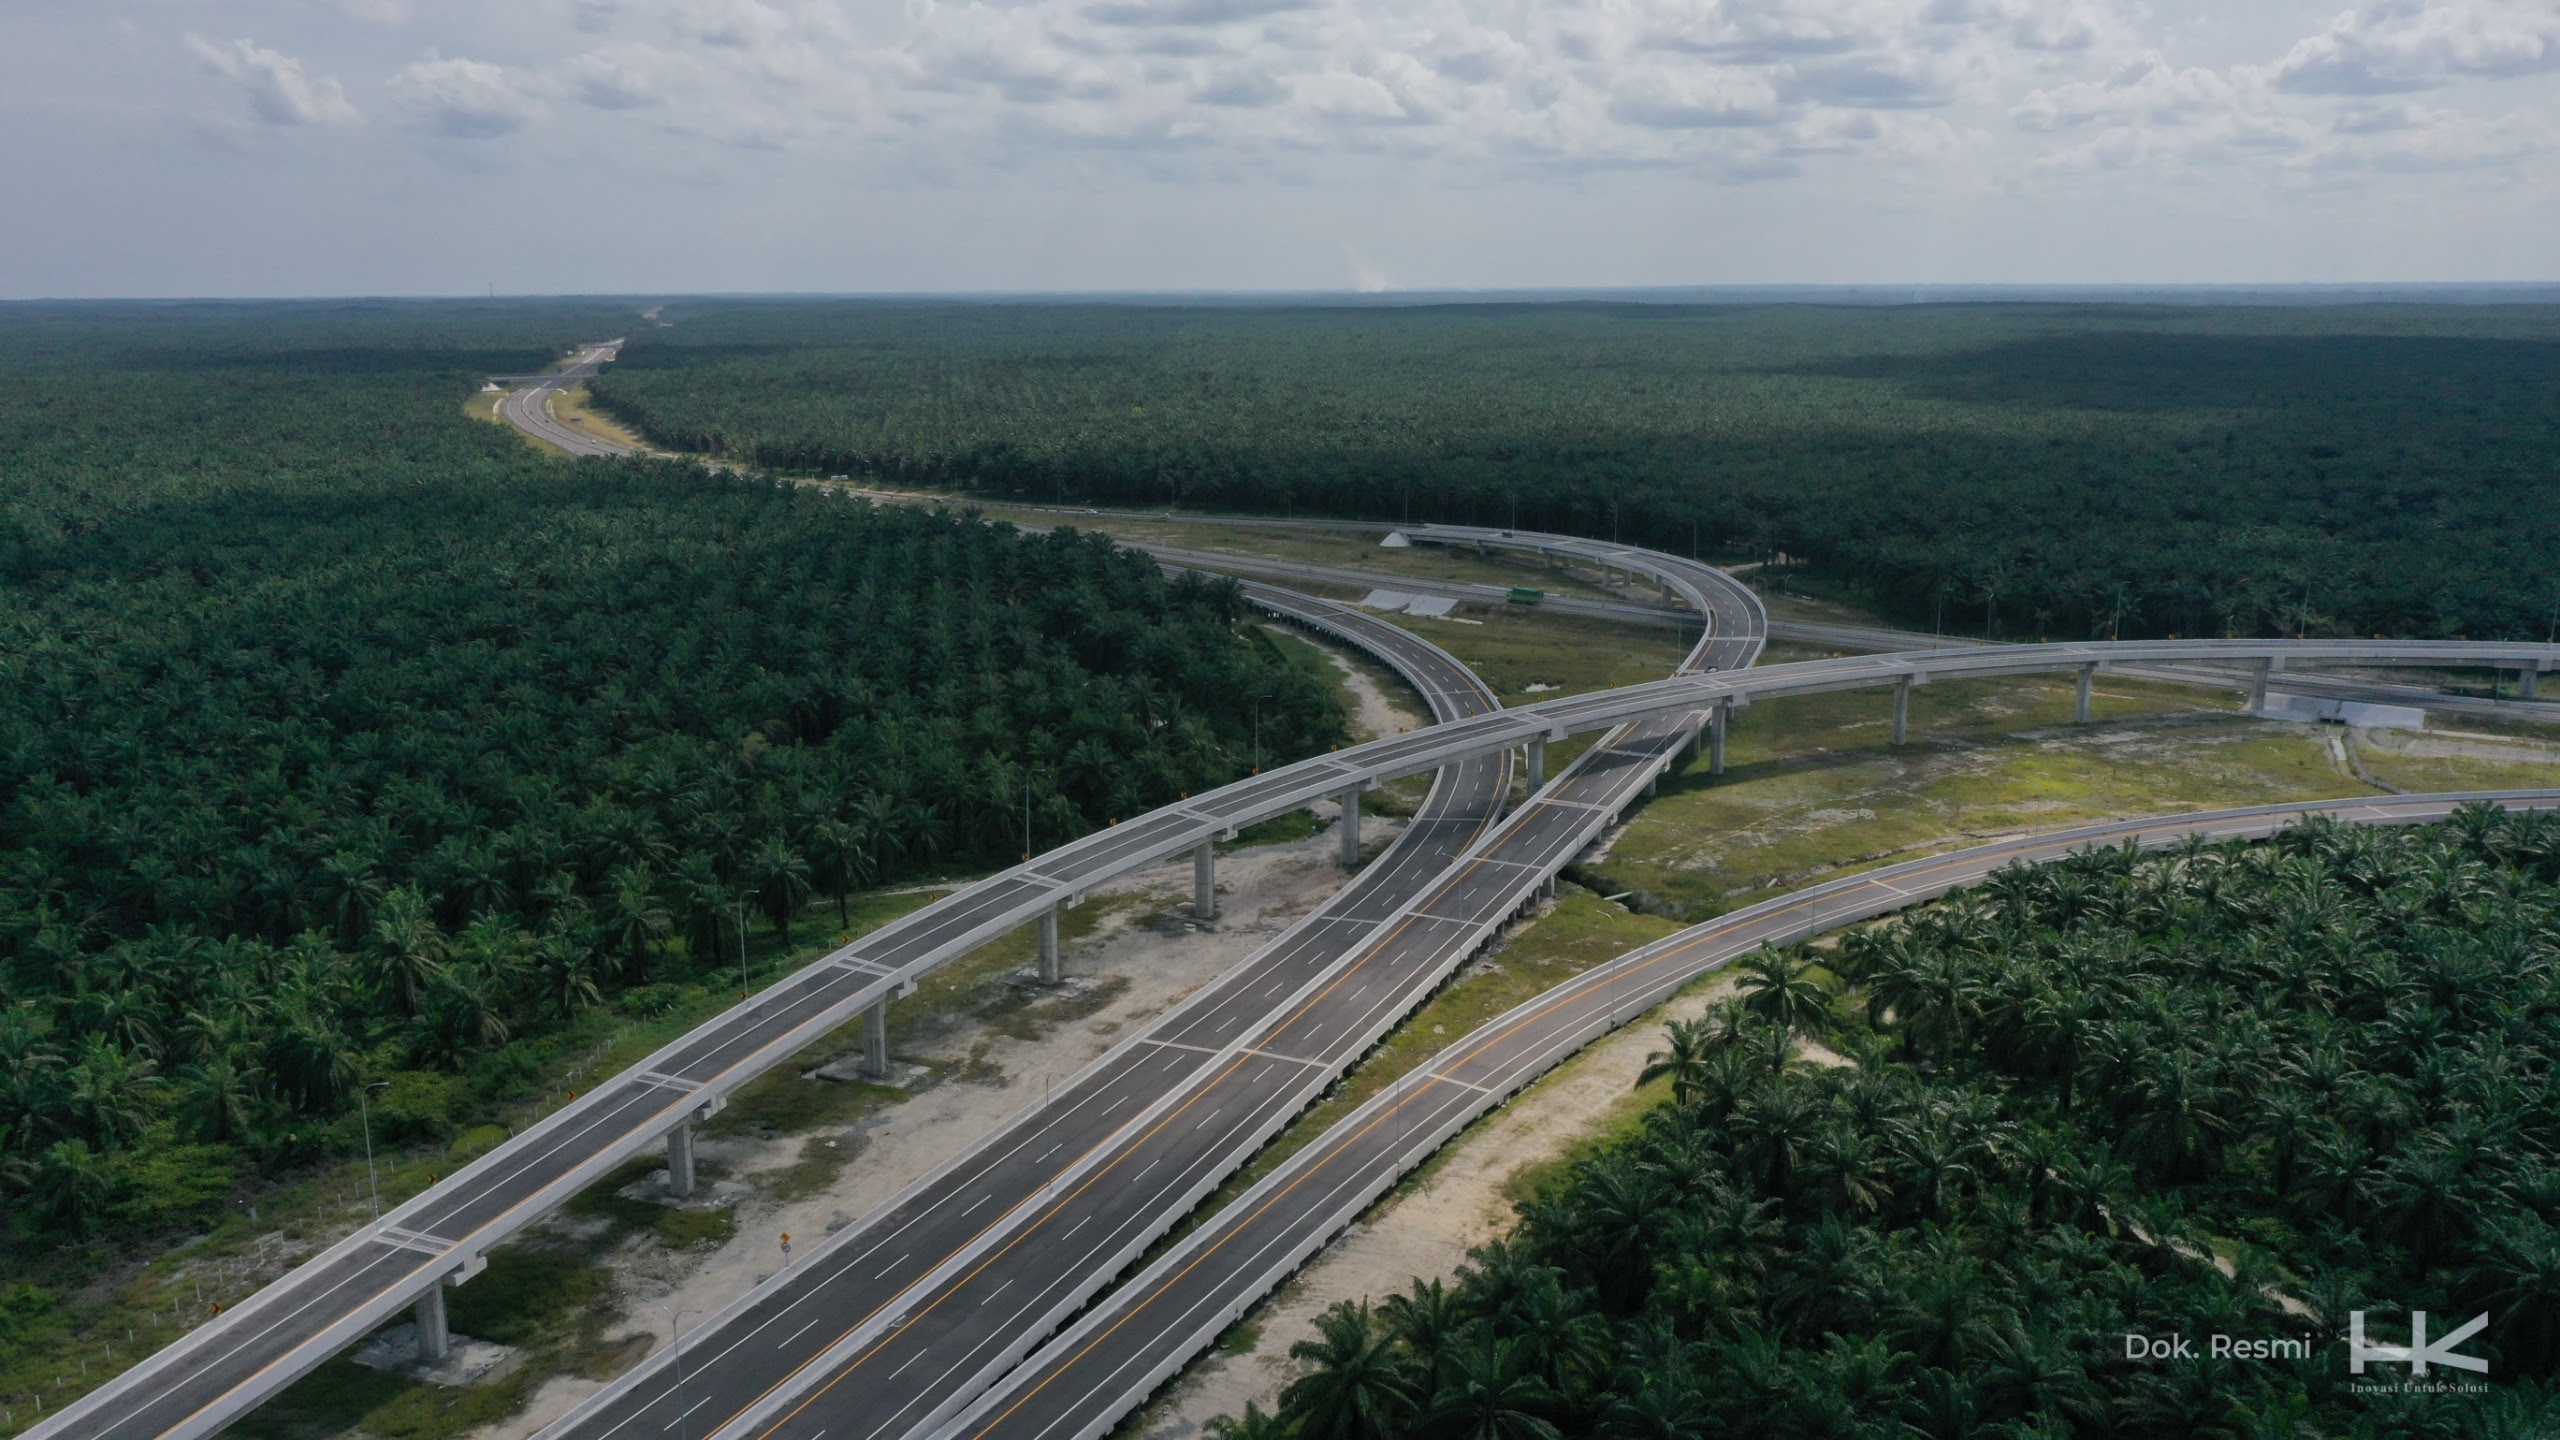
{"x":1527,"y":595}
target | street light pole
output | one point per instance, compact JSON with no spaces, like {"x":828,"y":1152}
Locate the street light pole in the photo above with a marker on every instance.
{"x":364,"y":1107}
{"x":1617,"y":952}
{"x":675,"y":1344}
{"x":743,"y":987}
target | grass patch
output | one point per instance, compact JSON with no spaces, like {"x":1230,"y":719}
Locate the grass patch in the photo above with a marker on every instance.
{"x":1349,"y":549}
{"x":1278,"y":830}
{"x":677,"y":1229}
{"x":552,"y":1301}
{"x":1812,"y":788}
{"x":790,"y":1099}
{"x":2482,"y":760}
{"x":1515,"y":649}
{"x":821,"y":1161}
{"x":577,"y":408}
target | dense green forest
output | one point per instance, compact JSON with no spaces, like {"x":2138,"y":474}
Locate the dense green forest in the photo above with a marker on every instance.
{"x":2034,"y":469}
{"x":2238,"y":1090}
{"x":345,"y":737}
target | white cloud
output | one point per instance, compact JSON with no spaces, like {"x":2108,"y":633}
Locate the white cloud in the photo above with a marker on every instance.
{"x":2403,"y":45}
{"x":2146,"y":88}
{"x":465,"y":99}
{"x":274,"y":84}
{"x":371,"y":12}
{"x":1730,"y":89}
{"x":614,"y":82}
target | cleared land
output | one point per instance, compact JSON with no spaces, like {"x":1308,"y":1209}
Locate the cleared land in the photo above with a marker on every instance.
{"x":1812,"y":789}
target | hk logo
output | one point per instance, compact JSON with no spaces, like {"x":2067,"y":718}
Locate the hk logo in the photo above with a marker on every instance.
{"x":2419,"y":1353}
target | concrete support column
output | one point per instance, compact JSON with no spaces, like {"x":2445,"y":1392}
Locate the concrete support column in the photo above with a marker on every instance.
{"x":1049,"y":946}
{"x":2258,"y":687}
{"x":2525,"y":678}
{"x":1204,"y":881}
{"x":875,"y":1041}
{"x":680,"y":1160}
{"x":1715,"y":736}
{"x":1350,"y":827}
{"x":2080,"y":706}
{"x":435,"y":1334}
{"x":1901,"y":709}
{"x":1537,"y":765}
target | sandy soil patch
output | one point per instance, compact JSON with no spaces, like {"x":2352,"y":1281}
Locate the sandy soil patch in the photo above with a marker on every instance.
{"x":1144,"y":959}
{"x":1150,"y":948}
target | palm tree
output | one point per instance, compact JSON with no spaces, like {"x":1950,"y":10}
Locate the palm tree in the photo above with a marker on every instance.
{"x":837,"y":862}
{"x":2177,"y":1124}
{"x":567,"y":970}
{"x":408,"y":949}
{"x":1682,"y":1063}
{"x":780,"y":877}
{"x":217,"y":1099}
{"x":632,"y":919}
{"x":1430,"y":1323}
{"x":1780,"y":989}
{"x":1664,"y":1408}
{"x":1355,"y":1390}
{"x":1492,"y":1395}
{"x":1773,"y":1128}
{"x":109,"y":1094}
{"x":1252,"y":1425}
{"x":2518,"y":1278}
{"x":72,"y":1185}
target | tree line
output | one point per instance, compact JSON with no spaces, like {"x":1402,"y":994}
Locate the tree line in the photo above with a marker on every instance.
{"x":343,"y":737}
{"x":2227,"y":1090}
{"x":2016,"y":469}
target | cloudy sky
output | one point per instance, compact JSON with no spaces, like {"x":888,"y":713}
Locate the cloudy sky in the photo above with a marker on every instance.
{"x":297,"y":147}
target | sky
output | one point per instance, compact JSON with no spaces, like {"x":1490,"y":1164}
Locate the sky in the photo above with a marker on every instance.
{"x":441,"y":147}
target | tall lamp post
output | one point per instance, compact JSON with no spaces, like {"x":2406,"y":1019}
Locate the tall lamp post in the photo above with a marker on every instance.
{"x":743,"y":899}
{"x":675,"y":1346}
{"x":364,"y":1108}
{"x":1617,"y":950}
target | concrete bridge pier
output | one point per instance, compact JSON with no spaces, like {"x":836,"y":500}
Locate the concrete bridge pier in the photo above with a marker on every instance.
{"x":1048,"y":947}
{"x":2258,"y":687}
{"x":435,"y":1332}
{"x":2080,"y":706}
{"x":1716,"y":722}
{"x":1204,"y":881}
{"x":680,"y":1160}
{"x":1537,"y":765}
{"x":875,"y":1041}
{"x":1350,"y":802}
{"x":1901,"y":709}
{"x":2525,"y":675}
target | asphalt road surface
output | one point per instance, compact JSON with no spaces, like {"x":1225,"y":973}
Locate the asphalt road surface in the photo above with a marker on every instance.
{"x":973,"y":1203}
{"x":221,"y":1368}
{"x":899,"y":1321}
{"x":1116,"y":1354}
{"x":528,"y":407}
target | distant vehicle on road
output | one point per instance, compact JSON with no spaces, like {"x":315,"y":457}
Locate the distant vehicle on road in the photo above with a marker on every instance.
{"x":1528,"y":595}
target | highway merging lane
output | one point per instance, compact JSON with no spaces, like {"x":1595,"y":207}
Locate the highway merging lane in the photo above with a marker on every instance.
{"x":976,"y":1199}
{"x":529,"y":408}
{"x":196,"y":1384}
{"x":1084,"y":1382}
{"x":904,"y":1319}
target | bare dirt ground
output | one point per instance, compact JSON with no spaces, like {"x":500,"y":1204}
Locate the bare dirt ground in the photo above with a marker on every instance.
{"x":1141,"y":961}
